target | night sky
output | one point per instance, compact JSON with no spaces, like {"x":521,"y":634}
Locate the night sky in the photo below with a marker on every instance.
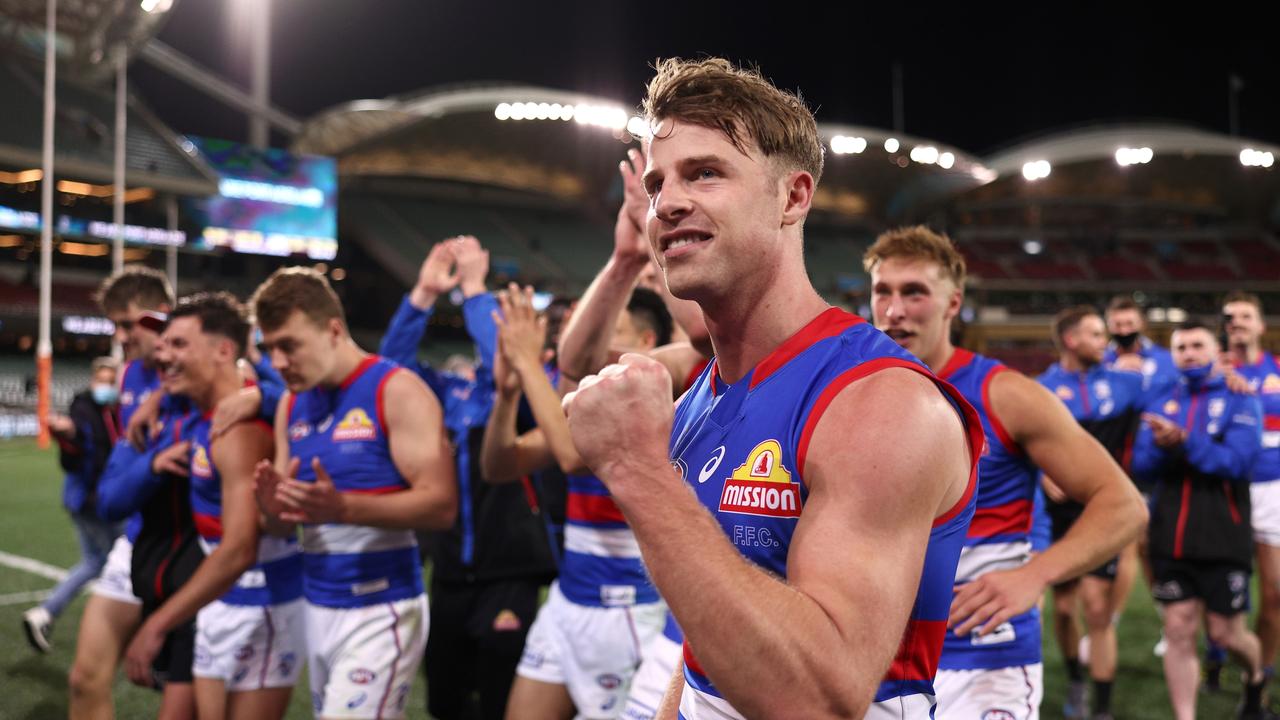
{"x":978,"y":79}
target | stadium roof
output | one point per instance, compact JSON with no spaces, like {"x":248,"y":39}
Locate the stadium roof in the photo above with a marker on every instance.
{"x":84,"y":133}
{"x":1169,"y":165}
{"x":565,"y":145}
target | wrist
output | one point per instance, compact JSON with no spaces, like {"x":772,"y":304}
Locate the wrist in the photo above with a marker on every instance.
{"x":471,"y":289}
{"x":627,"y":265}
{"x":422,"y":298}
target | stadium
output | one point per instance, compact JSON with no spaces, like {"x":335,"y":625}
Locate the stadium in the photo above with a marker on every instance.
{"x":1170,"y":212}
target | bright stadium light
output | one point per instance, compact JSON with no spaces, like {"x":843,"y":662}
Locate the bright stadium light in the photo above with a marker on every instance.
{"x":156,"y":6}
{"x":517,"y":111}
{"x":1032,"y":247}
{"x":503,"y":111}
{"x":924,"y":154}
{"x":638,"y":127}
{"x":1177,"y":315}
{"x":891,"y":145}
{"x":847,"y":145}
{"x":1256,"y":158}
{"x":946,"y":160}
{"x":1036,"y":170}
{"x":566,"y":113}
{"x":1134,"y":156}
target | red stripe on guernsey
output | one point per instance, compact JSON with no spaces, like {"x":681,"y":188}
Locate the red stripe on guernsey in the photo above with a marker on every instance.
{"x":959,"y":358}
{"x":969,"y":416}
{"x":1008,"y":519}
{"x":530,"y":495}
{"x":381,"y":406}
{"x":209,"y":526}
{"x":918,"y":654}
{"x":364,"y":365}
{"x":373,"y":491}
{"x":1271,"y":422}
{"x":692,"y":662}
{"x":592,"y":508}
{"x":829,"y":323}
{"x":698,"y":367}
{"x":1001,"y":434}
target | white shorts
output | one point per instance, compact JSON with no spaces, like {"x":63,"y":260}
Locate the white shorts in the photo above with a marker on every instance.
{"x":1012,"y":693}
{"x":658,"y":666}
{"x":362,"y":660}
{"x":1264,"y":498}
{"x":250,"y":647}
{"x":116,"y":580}
{"x":592,"y":651}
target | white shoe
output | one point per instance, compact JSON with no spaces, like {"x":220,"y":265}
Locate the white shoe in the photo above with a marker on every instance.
{"x":1160,"y":647}
{"x":39,"y":626}
{"x":1082,"y":651}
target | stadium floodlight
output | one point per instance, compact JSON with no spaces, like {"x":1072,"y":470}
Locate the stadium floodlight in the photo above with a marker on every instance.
{"x":846,"y":145}
{"x":946,"y":160}
{"x":891,"y":145}
{"x":1036,"y":170}
{"x":566,"y":113}
{"x":155,"y":6}
{"x":517,"y":111}
{"x":1126,"y":156}
{"x":638,"y":127}
{"x":503,"y":111}
{"x":1177,"y":315}
{"x":1256,"y":158}
{"x":1032,"y":247}
{"x":924,"y":154}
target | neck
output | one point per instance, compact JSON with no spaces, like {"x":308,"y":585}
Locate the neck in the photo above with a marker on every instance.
{"x":1071,"y":363}
{"x":347,"y":357}
{"x":1245,"y":353}
{"x":226,"y":382}
{"x":746,"y":327}
{"x":940,"y":355}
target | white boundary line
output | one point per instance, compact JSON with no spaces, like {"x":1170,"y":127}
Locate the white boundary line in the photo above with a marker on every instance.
{"x":35,"y":567}
{"x":21,"y":598}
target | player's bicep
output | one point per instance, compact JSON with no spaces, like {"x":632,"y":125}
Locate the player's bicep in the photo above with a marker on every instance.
{"x":235,"y":455}
{"x":859,"y":547}
{"x":415,"y":430}
{"x":1051,"y":437}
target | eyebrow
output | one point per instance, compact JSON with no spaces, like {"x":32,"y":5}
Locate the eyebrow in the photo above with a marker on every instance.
{"x":647,"y":177}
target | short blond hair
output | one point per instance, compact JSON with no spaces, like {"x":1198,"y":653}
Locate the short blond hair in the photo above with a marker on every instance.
{"x":917,"y":243}
{"x":740,"y":103}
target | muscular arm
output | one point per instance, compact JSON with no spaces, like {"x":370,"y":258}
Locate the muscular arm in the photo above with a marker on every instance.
{"x":234,"y":454}
{"x":855,"y":559}
{"x":420,"y":451}
{"x":1113,"y":516}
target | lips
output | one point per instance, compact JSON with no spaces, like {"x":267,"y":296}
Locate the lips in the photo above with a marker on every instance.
{"x":677,"y":242}
{"x":898,"y":335}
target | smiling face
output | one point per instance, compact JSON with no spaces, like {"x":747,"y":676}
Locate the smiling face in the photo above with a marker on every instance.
{"x":913,"y":302}
{"x":190,"y":359}
{"x":716,"y":213}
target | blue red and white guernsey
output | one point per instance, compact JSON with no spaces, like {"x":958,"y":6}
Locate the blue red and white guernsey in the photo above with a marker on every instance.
{"x":742,"y":449}
{"x":277,"y":576}
{"x":349,"y":566}
{"x":1000,"y":536}
{"x":601,"y":566}
{"x":137,"y":382}
{"x":1264,"y":378}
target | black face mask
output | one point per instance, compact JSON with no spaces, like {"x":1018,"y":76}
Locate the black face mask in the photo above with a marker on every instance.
{"x":1126,"y":341}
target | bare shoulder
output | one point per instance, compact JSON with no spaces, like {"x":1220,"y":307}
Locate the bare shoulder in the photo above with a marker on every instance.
{"x":1023,"y":406}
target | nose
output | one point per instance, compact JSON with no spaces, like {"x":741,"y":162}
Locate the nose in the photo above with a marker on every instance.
{"x":672,"y":203}
{"x":894,"y":308}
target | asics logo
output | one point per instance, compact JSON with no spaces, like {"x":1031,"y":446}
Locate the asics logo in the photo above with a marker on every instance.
{"x":705,"y":473}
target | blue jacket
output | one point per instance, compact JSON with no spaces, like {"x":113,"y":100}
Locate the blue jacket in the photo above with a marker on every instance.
{"x":1158,"y":371}
{"x":84,"y":458}
{"x":128,"y":483}
{"x":499,"y":533}
{"x":1200,"y":507}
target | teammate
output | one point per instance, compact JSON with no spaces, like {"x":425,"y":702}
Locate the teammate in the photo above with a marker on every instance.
{"x":247,"y":592}
{"x":588,"y":638}
{"x":991,"y":660}
{"x":1199,"y":441}
{"x":135,"y":300}
{"x":361,"y":461}
{"x":1107,"y":404}
{"x":1244,"y":327}
{"x":1130,"y":349}
{"x":801,"y":566}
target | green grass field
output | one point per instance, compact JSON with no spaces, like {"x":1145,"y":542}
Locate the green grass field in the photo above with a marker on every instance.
{"x":33,"y":686}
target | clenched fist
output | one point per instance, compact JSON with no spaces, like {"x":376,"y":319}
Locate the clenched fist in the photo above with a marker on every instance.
{"x":620,"y":421}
